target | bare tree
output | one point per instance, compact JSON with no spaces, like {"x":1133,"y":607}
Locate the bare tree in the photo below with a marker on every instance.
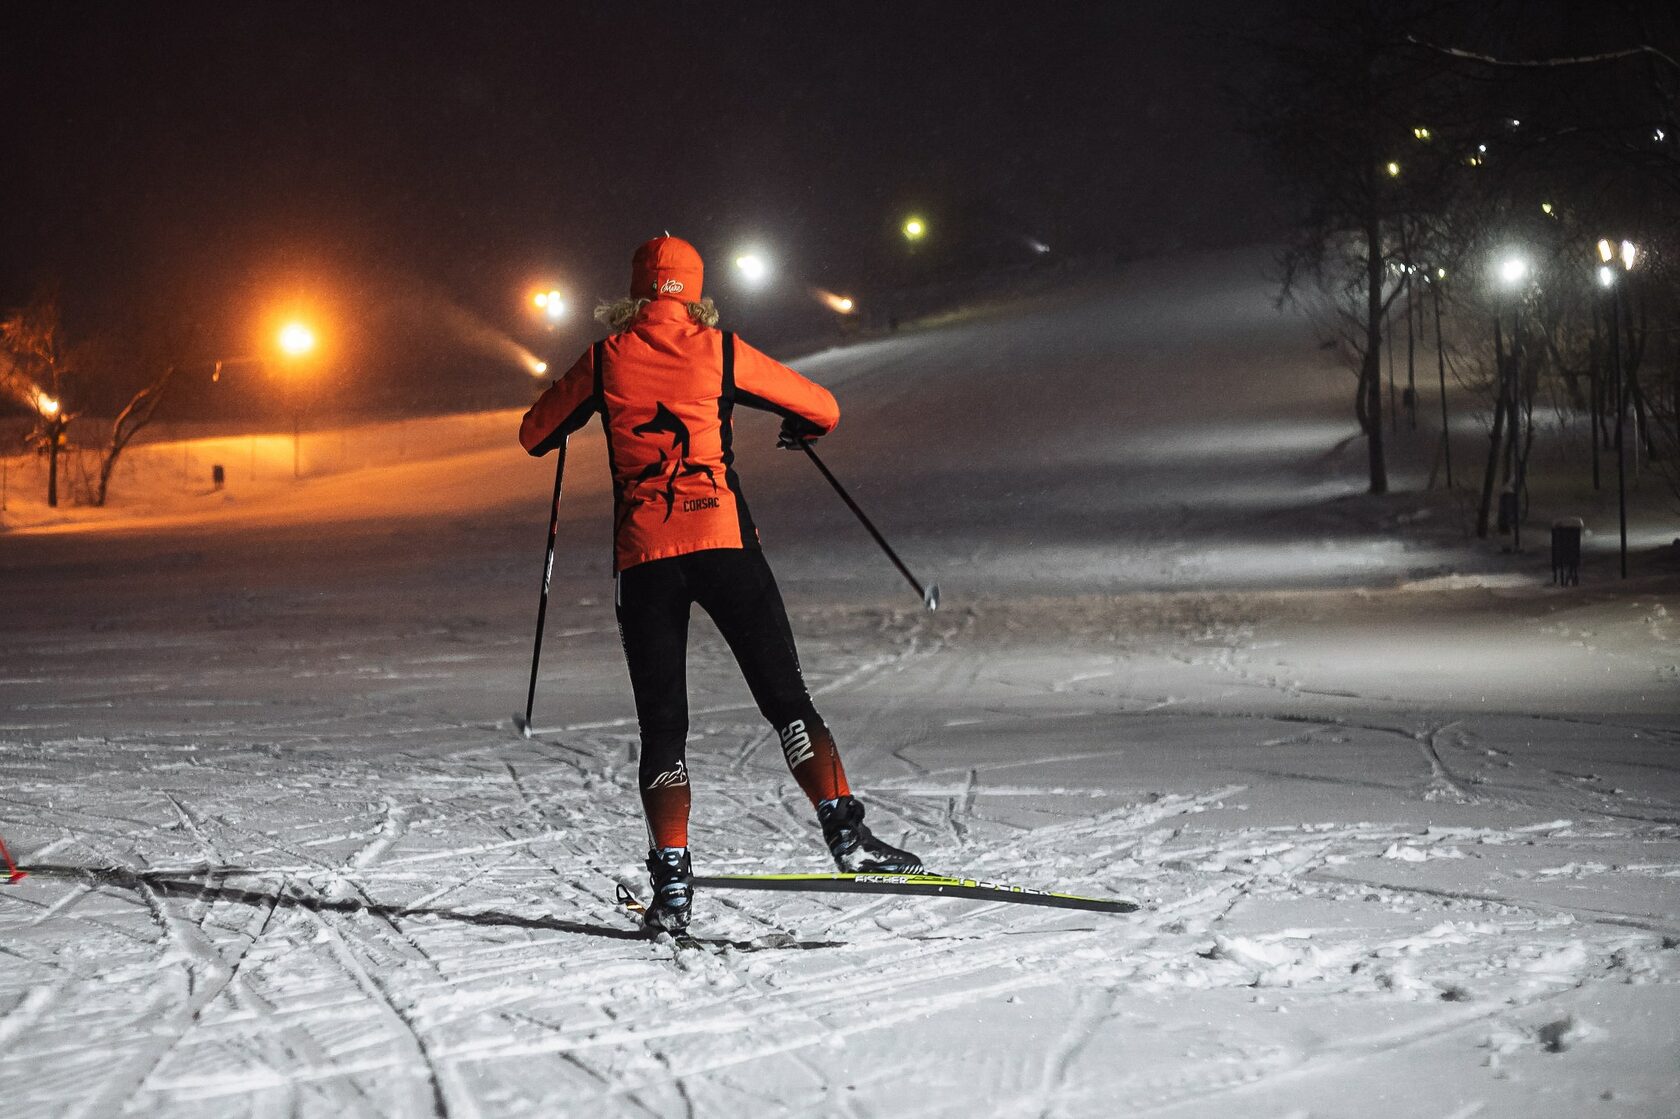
{"x":33,"y":339}
{"x":1341,"y":120}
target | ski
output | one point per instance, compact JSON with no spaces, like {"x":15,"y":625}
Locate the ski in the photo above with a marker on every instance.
{"x":700,"y":943}
{"x":937,"y":885}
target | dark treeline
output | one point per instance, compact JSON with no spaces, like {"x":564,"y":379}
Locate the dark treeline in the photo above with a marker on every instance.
{"x":1504,"y":178}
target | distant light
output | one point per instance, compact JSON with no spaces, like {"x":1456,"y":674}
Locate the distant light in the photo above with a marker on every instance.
{"x":1421,"y":132}
{"x":1393,"y":169}
{"x":840,"y":304}
{"x":554,"y":305}
{"x":296,"y":339}
{"x":1630,"y":253}
{"x":46,"y":405}
{"x":1440,"y":273}
{"x":915,"y":229}
{"x":1606,"y":252}
{"x":540,"y":299}
{"x":1037,"y":246}
{"x":1512,"y":123}
{"x":1513,"y":270}
{"x":754,"y":268}
{"x":538,"y":368}
{"x":1658,"y":135}
{"x":1474,"y":160}
{"x":1482,"y":148}
{"x":1546,"y":207}
{"x":1606,"y":276}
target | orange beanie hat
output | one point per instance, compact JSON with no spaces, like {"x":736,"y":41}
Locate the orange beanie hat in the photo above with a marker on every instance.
{"x":666,"y":268}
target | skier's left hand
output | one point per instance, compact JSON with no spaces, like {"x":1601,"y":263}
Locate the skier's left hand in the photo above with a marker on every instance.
{"x":797,"y":434}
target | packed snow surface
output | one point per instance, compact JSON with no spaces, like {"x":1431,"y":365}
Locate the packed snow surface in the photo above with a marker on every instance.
{"x":1404,"y":819}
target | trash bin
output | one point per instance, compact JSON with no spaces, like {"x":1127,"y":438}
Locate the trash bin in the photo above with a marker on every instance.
{"x":1566,"y":551}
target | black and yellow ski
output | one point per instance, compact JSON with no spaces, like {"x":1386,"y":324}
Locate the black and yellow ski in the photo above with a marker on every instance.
{"x":937,"y":885}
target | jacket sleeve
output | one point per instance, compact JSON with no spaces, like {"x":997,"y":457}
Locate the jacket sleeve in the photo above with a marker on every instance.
{"x":765,"y":383}
{"x":564,"y":406}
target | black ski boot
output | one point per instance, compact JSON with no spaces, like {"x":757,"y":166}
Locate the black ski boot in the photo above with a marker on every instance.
{"x":670,"y":876}
{"x":854,"y":847}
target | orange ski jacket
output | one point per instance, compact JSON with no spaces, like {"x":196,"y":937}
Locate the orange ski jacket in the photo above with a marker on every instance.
{"x":665,"y":390}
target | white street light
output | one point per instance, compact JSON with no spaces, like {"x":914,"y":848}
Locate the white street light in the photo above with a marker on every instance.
{"x":1513,"y":270}
{"x":1606,"y":276}
{"x":753,"y":267}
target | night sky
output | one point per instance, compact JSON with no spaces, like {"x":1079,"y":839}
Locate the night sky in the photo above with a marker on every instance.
{"x":377,"y":161}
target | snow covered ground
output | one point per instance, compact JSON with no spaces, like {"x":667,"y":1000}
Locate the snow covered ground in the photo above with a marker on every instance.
{"x":1405,"y":819}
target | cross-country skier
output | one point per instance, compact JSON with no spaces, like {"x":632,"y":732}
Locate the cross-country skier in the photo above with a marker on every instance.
{"x":665,"y":384}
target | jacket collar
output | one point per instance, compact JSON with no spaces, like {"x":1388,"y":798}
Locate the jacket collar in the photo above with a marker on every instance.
{"x":664,"y":310}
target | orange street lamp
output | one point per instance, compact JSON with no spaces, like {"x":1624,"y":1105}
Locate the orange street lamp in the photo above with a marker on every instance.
{"x":551,"y":304}
{"x":296,"y":339}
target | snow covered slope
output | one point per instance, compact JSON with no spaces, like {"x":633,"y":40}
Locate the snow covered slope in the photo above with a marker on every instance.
{"x":1409,"y":844}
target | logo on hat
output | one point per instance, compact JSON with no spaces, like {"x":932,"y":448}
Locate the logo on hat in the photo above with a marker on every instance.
{"x":671,"y":287}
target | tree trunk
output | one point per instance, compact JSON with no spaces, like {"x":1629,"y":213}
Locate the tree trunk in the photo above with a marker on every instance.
{"x":1370,"y":379}
{"x":1495,"y":437}
{"x":52,"y":465}
{"x":136,"y":415}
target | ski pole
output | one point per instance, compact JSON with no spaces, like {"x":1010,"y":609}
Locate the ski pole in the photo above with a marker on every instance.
{"x":524,"y":723}
{"x":930,"y":594}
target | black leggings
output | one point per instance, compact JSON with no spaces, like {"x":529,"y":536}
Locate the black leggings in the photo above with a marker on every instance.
{"x":735,"y":587}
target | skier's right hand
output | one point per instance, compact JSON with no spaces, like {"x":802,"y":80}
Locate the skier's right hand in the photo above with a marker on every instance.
{"x":797,"y":434}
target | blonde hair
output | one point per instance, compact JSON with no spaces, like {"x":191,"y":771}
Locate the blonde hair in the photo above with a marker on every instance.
{"x":620,"y":313}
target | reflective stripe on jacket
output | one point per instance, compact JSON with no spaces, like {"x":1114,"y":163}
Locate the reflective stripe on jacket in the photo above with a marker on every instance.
{"x":665,"y":393}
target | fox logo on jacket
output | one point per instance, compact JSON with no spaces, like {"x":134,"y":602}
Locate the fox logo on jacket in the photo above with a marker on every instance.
{"x":796,"y":744}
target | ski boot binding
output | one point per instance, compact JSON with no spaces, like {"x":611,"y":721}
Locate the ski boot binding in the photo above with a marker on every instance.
{"x":854,"y":846}
{"x":671,"y":877}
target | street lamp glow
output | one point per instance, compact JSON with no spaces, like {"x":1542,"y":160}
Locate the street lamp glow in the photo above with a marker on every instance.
{"x":1393,"y":169}
{"x":540,"y":299}
{"x":1606,"y":276}
{"x":1545,"y":207}
{"x":538,"y":368}
{"x":1513,"y":270}
{"x":1440,"y":273}
{"x":1421,"y":132}
{"x":754,"y":268}
{"x":296,"y":339}
{"x":840,"y":304}
{"x":46,"y":405}
{"x":914,"y":229}
{"x":1630,"y":253}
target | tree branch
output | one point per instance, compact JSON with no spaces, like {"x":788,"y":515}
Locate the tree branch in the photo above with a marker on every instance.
{"x":1580,"y":60}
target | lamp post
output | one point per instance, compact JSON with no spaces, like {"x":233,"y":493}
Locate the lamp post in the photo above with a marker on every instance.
{"x":296,"y":341}
{"x":1609,"y":276}
{"x":1514,"y":274}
